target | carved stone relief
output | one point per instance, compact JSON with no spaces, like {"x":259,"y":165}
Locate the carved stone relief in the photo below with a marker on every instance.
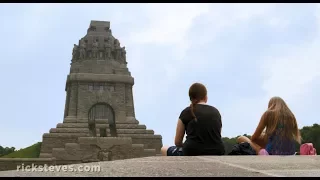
{"x":95,"y":49}
{"x":107,"y":48}
{"x":110,"y":49}
{"x":83,"y":49}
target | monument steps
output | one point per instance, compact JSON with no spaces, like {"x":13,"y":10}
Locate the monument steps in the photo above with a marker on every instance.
{"x":149,"y":152}
{"x":85,"y":125}
{"x":86,"y":130}
{"x":48,"y":135}
{"x":99,"y":149}
{"x":45,"y":155}
{"x":97,"y":121}
{"x":138,"y":146}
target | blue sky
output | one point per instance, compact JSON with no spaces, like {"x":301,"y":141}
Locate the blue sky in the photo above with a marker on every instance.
{"x":243,"y":53}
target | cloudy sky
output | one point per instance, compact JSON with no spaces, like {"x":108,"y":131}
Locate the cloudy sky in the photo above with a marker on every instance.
{"x":243,"y":53}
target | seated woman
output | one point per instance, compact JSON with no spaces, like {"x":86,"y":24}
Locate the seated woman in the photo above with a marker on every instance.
{"x":277,"y":132}
{"x":202,"y":124}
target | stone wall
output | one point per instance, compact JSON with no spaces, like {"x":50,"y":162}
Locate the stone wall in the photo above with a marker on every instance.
{"x":94,"y":149}
{"x":51,"y":141}
{"x":13,"y":163}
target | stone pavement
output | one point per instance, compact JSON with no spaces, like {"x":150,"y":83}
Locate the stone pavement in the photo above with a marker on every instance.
{"x":297,"y":166}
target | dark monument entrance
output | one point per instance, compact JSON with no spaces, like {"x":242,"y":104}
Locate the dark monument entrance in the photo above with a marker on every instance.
{"x":99,"y":118}
{"x":102,"y":112}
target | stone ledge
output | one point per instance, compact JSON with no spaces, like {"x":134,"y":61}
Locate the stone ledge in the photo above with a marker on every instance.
{"x":102,"y":141}
{"x":85,"y":125}
{"x":64,"y":135}
{"x":149,"y":152}
{"x":75,"y":135}
{"x":154,"y":136}
{"x":98,"y":121}
{"x":86,"y":130}
{"x":195,"y":166}
{"x":45,"y":155}
{"x":138,"y":145}
{"x":88,"y":77}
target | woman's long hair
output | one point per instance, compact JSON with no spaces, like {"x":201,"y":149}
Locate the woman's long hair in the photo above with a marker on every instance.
{"x":279,"y":114}
{"x":197,"y":93}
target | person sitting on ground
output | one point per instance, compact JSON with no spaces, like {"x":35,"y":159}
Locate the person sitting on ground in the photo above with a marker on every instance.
{"x":202,"y":124}
{"x":277,"y":132}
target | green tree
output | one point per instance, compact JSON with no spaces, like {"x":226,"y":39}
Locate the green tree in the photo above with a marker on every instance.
{"x":6,"y":150}
{"x":311,"y":134}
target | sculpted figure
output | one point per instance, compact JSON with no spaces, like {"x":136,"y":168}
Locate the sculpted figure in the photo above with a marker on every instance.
{"x":123,"y":54}
{"x":107,"y":48}
{"x":92,"y":28}
{"x":75,"y":52}
{"x":116,"y":43}
{"x":117,"y":49}
{"x":95,"y":49}
{"x":107,"y":29}
{"x":83,"y":49}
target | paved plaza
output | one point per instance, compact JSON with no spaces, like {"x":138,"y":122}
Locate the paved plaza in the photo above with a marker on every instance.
{"x":277,"y":166}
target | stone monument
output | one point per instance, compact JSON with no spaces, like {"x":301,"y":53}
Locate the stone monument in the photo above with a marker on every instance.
{"x":99,"y":119}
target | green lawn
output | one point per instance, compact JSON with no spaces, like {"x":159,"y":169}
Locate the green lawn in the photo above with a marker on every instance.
{"x":28,"y":152}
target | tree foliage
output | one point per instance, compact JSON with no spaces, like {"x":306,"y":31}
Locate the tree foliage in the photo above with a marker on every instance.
{"x":28,"y":152}
{"x":6,"y":150}
{"x":311,"y":134}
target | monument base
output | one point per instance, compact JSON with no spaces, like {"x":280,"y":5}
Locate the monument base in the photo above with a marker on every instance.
{"x":94,"y":149}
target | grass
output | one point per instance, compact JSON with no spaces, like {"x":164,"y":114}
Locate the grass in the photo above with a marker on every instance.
{"x":28,"y":152}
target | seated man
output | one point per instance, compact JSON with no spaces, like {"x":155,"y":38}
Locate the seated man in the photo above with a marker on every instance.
{"x":202,"y":124}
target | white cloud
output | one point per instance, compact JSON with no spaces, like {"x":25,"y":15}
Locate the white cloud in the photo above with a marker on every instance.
{"x":36,"y":22}
{"x":169,"y":24}
{"x":291,"y":75}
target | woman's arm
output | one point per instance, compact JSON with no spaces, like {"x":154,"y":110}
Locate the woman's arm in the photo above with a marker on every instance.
{"x":260,"y":128}
{"x":179,"y":134}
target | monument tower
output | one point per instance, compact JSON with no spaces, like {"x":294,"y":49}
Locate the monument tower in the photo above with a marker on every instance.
{"x":99,"y":101}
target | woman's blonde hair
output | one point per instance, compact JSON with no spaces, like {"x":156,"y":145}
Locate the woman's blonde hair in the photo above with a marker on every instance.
{"x":279,"y":114}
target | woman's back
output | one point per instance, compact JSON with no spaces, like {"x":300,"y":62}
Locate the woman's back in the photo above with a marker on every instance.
{"x":279,"y":144}
{"x":277,"y":131}
{"x":204,"y":132}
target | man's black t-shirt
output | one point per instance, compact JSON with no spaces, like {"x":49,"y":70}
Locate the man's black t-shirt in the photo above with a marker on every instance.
{"x":204,"y":134}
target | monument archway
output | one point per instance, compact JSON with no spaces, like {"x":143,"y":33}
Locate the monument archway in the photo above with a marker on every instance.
{"x":101,"y":111}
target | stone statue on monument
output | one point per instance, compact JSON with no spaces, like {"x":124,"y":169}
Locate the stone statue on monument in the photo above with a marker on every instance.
{"x":123,"y":55}
{"x":117,"y":49}
{"x":107,"y":48}
{"x":83,"y":49}
{"x":95,"y":49}
{"x":75,"y":52}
